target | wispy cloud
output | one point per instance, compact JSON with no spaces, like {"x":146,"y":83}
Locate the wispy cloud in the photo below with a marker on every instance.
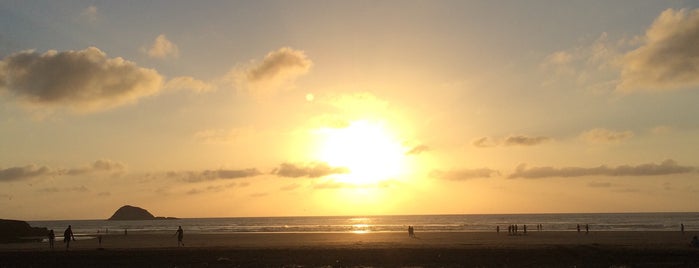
{"x":209,"y":175}
{"x":464,"y":174}
{"x":514,"y":140}
{"x":669,"y":56}
{"x":162,"y":48}
{"x":418,"y":150}
{"x":525,"y":140}
{"x":601,"y":135}
{"x":667,"y":167}
{"x":310,"y":170}
{"x":89,"y":14}
{"x":25,"y":172}
{"x":189,"y":83}
{"x":85,"y":80}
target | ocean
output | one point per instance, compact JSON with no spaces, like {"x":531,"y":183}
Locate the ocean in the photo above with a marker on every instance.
{"x":393,"y":223}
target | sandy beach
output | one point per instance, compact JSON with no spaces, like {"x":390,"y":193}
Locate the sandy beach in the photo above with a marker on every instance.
{"x":442,"y":249}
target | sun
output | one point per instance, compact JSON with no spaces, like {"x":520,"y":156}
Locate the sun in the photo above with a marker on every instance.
{"x":368,"y":149}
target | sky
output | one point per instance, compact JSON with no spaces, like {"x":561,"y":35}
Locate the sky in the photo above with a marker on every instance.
{"x":309,"y":108}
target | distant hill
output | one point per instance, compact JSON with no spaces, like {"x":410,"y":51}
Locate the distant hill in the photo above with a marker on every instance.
{"x":131,"y":213}
{"x":15,"y":231}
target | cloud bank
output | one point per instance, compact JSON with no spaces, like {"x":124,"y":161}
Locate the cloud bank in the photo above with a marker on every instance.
{"x":85,"y":80}
{"x":31,"y":171}
{"x":669,"y":57}
{"x":518,"y":140}
{"x":667,"y":167}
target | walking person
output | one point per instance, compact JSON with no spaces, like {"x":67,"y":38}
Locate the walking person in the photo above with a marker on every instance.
{"x":180,"y":235}
{"x":67,"y":236}
{"x":52,"y":238}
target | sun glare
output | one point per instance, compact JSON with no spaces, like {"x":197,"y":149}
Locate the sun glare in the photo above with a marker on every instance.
{"x":367,"y":149}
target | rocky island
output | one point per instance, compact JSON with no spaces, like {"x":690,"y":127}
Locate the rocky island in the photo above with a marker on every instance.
{"x":15,"y":231}
{"x":131,"y":213}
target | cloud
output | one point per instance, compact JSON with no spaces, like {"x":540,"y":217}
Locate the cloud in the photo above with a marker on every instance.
{"x":310,"y":170}
{"x":97,"y":166}
{"x":667,"y":167}
{"x":484,"y":142}
{"x":290,"y":187}
{"x":525,"y":141}
{"x":162,"y":48}
{"x":210,"y":189}
{"x":84,"y":80}
{"x":189,"y":83}
{"x":277,"y":71}
{"x":669,"y":56}
{"x":332,"y":184}
{"x":89,"y":14}
{"x":209,"y":175}
{"x":223,"y":136}
{"x":31,"y":171}
{"x":52,"y":190}
{"x":25,"y":172}
{"x":418,"y":150}
{"x":519,"y":140}
{"x":464,"y":174}
{"x":601,"y":135}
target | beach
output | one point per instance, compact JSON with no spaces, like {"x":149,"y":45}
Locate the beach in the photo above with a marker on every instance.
{"x":389,"y":249}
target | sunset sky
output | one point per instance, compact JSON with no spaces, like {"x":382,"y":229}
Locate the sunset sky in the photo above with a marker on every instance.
{"x":295,"y":108}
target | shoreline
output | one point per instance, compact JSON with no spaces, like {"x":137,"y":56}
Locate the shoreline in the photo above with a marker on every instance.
{"x":428,"y":249}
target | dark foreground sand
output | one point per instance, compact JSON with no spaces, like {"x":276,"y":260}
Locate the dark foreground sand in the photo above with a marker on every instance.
{"x":536,"y":249}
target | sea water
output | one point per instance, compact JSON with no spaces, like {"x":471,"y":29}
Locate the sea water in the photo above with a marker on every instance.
{"x":393,"y":223}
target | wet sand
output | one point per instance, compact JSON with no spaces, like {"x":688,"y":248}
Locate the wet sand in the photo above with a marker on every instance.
{"x":462,"y":249}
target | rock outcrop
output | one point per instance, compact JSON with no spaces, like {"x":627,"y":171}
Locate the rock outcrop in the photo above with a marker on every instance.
{"x":131,"y":213}
{"x":16,"y":231}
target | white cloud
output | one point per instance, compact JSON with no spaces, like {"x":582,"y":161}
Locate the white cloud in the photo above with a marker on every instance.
{"x":669,"y":56}
{"x":163,"y":48}
{"x":84,"y":80}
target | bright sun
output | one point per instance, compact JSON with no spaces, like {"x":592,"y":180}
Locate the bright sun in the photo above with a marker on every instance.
{"x":367,"y":149}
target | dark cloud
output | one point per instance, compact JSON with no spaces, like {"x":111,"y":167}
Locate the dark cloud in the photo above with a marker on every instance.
{"x":667,"y":167}
{"x":464,"y":174}
{"x":209,"y":175}
{"x":669,"y":57}
{"x":311,"y":170}
{"x":525,"y":141}
{"x":25,"y":172}
{"x":418,"y":150}
{"x":85,"y":80}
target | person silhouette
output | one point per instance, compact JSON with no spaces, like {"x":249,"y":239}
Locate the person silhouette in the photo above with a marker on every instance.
{"x":180,"y":235}
{"x":67,"y":236}
{"x":52,"y":238}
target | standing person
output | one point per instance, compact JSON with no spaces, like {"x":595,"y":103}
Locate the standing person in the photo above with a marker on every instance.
{"x":52,"y":238}
{"x":67,"y":236}
{"x":497,"y":229}
{"x":682,"y":227}
{"x":578,"y":228}
{"x":180,"y":235}
{"x":587,"y":228}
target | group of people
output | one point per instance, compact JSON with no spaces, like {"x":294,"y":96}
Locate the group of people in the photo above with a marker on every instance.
{"x":411,"y":231}
{"x":68,"y":236}
{"x":587,"y":228}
